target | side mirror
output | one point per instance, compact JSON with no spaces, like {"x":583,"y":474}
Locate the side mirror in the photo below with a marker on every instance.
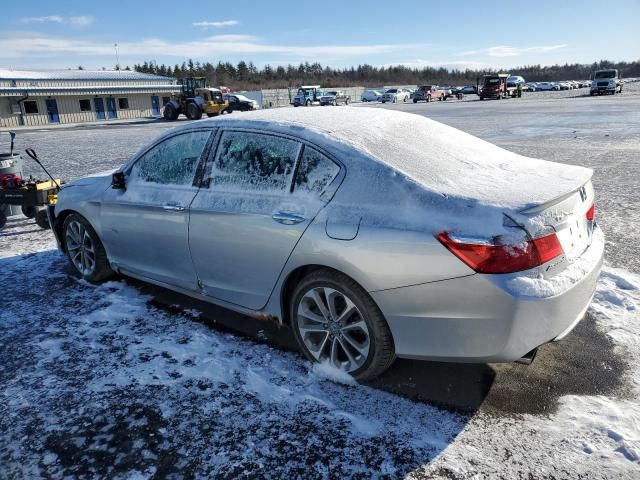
{"x":118,"y":181}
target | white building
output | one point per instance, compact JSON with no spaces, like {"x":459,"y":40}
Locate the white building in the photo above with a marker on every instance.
{"x":71,"y":96}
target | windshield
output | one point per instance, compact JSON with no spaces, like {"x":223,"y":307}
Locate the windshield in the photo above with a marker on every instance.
{"x":331,"y":93}
{"x":607,"y":74}
{"x":392,"y":90}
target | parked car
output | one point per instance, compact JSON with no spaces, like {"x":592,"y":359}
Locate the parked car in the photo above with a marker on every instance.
{"x":545,"y":86}
{"x":367,"y":246}
{"x":239,"y":103}
{"x":531,"y":86}
{"x":515,"y":80}
{"x":394,"y":95}
{"x":606,"y":81}
{"x":371,"y":96}
{"x":335,"y":97}
{"x":428,"y":93}
{"x":467,"y":89}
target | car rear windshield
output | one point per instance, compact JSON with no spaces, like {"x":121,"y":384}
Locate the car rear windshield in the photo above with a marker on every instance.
{"x":608,"y":74}
{"x":392,"y":90}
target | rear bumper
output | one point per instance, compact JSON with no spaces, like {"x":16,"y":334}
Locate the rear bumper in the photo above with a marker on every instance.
{"x":489,"y":318}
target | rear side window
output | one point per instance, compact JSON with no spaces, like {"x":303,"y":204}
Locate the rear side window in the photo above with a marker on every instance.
{"x":316,"y":171}
{"x":254,"y":161}
{"x":173,"y":161}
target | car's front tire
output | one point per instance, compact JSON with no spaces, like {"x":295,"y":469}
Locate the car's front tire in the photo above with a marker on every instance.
{"x":84,"y":249}
{"x":334,"y":319}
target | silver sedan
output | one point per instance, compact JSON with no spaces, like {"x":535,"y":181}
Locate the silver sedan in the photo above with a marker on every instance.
{"x":346,"y":226}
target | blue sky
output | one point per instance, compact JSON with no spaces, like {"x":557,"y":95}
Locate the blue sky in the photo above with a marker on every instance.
{"x":65,"y":33}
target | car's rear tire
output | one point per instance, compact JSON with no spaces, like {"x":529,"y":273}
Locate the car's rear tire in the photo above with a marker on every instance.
{"x":84,"y":249}
{"x":334,"y":319}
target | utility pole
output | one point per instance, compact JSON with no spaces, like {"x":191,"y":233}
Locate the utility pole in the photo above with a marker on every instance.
{"x":115,"y":45}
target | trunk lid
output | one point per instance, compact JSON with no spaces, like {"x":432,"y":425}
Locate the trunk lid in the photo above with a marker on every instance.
{"x":567,"y":217}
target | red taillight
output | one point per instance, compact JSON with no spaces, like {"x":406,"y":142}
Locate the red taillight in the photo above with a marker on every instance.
{"x":591,"y":213}
{"x":495,"y":258}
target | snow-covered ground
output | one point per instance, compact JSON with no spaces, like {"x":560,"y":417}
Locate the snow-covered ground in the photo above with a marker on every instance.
{"x":103,"y":381}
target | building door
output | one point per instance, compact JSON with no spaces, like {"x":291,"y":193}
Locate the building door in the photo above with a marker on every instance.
{"x":111,"y":108}
{"x":52,"y":110}
{"x":155,"y":105}
{"x":99,"y":103}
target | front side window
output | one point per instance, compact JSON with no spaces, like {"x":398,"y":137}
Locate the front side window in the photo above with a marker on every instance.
{"x":315,"y":172}
{"x":173,"y":161}
{"x":254,"y":161}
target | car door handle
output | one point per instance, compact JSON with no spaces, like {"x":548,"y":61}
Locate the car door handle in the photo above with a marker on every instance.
{"x":173,"y":206}
{"x":287,"y":218}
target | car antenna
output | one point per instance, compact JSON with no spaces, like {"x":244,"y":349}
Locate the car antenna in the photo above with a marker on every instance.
{"x":32,"y":153}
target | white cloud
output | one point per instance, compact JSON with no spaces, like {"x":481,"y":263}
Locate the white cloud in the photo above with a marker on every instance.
{"x":507,"y":51}
{"x":78,"y":21}
{"x":218,"y":24}
{"x":81,"y":21}
{"x":232,"y":38}
{"x":17,"y":45}
{"x":44,"y":19}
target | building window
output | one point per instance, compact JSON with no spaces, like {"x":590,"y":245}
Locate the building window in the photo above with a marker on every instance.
{"x":123,"y":103}
{"x":85,"y":105}
{"x":165,"y":100}
{"x":30,"y":106}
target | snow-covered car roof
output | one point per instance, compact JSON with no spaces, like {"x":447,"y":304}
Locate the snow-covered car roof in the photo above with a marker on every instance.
{"x":452,"y":163}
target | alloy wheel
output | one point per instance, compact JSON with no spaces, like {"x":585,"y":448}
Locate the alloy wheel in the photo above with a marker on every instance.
{"x":332,"y":328}
{"x":81,"y":248}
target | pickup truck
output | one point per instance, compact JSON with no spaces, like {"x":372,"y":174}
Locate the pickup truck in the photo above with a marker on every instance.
{"x":335,"y":97}
{"x":428,"y":93}
{"x":606,"y":81}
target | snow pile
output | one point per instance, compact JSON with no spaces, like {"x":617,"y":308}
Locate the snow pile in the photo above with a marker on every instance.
{"x":98,"y":382}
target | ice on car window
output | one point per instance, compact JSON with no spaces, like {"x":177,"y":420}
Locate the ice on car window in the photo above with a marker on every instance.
{"x":174,"y":161}
{"x":315,"y":172}
{"x":253,"y":161}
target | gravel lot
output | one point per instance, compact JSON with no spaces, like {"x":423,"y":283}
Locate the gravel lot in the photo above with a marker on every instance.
{"x":125,"y":380}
